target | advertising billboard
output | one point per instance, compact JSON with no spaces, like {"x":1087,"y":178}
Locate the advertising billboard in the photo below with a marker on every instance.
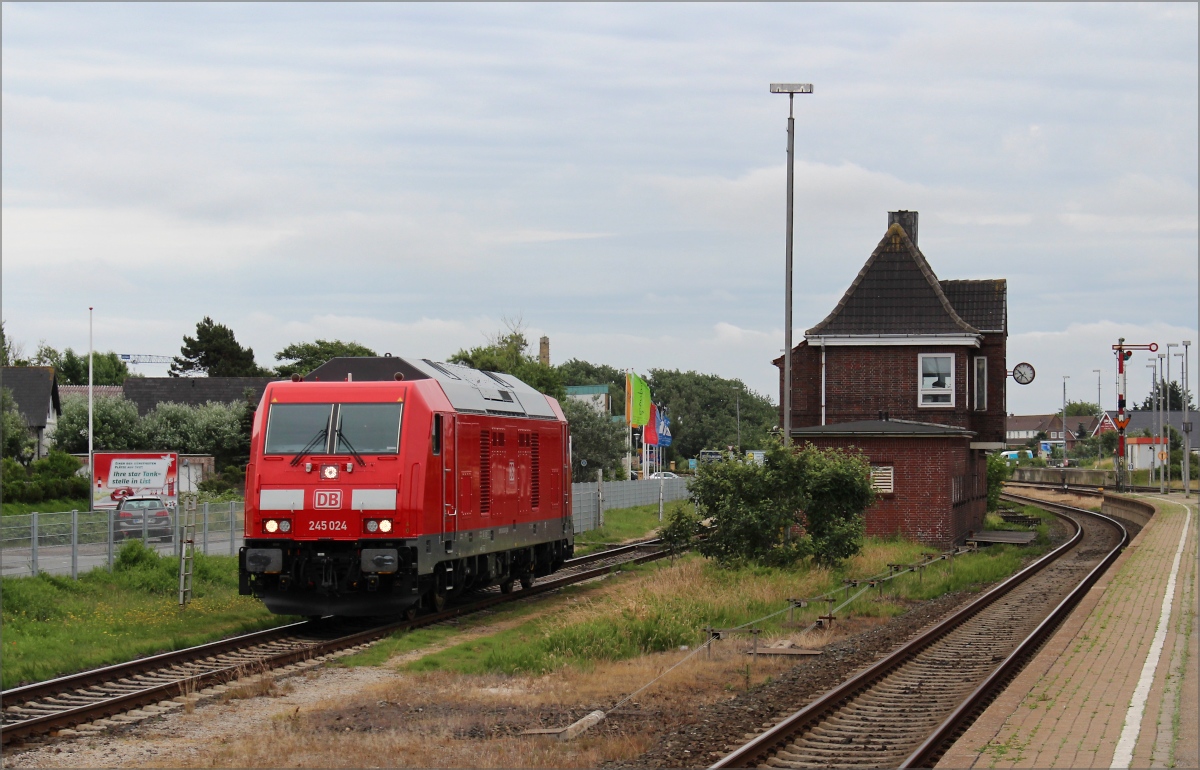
{"x":118,"y":475}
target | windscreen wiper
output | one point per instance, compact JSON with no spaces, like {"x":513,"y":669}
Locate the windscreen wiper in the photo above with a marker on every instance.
{"x":321,"y":434}
{"x":343,"y":440}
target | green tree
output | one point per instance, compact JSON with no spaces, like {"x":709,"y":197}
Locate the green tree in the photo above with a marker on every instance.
{"x":71,"y":368}
{"x":997,"y":473}
{"x":1173,"y":393}
{"x":505,"y":354}
{"x":12,"y":353}
{"x":1082,"y":409}
{"x":594,"y":438}
{"x":801,"y":501}
{"x":116,"y":425}
{"x":576,"y":372}
{"x":18,"y":442}
{"x":704,"y":411}
{"x":303,"y":357}
{"x":214,"y":351}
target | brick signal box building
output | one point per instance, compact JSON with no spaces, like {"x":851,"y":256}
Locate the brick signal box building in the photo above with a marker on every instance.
{"x":910,"y":370}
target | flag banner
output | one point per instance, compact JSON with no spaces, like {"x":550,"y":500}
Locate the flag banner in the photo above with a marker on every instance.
{"x":650,"y":432}
{"x":664,"y":428}
{"x":637,"y":400}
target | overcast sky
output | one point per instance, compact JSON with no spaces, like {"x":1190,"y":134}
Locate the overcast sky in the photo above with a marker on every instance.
{"x":408,"y":175}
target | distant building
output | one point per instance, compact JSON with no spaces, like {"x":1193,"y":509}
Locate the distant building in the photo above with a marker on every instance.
{"x":149,"y":392}
{"x":1020,"y":428}
{"x":910,"y":370}
{"x":595,"y":396}
{"x":35,"y":389}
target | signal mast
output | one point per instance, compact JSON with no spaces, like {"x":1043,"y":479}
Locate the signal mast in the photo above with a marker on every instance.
{"x":1124,"y":353}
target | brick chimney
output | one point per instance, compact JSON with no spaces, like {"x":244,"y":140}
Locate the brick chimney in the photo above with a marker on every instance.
{"x":544,"y":351}
{"x":907,"y":220}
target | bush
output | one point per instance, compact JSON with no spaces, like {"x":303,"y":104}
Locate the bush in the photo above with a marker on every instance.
{"x":799,"y":502}
{"x":682,"y":525}
{"x":997,"y":473}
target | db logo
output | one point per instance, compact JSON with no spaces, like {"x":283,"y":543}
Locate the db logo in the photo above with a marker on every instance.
{"x":327,"y":498}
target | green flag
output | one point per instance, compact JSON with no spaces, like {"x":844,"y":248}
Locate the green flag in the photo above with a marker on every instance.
{"x":637,"y":400}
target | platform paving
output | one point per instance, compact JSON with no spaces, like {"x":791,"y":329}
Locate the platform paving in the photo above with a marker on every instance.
{"x":1103,"y":667}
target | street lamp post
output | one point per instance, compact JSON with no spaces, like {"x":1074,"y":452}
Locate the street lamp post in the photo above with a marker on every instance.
{"x":1187,"y":426}
{"x":1167,"y":411}
{"x":1099,"y":417}
{"x":1064,"y":418}
{"x":791,"y":89}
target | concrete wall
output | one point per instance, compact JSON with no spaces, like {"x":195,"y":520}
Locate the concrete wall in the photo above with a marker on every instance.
{"x":1097,"y":478}
{"x":1127,"y":509}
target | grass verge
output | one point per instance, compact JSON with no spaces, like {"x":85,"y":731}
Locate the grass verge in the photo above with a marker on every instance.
{"x":46,"y":506}
{"x":671,"y":609}
{"x":621,"y":525}
{"x":54,"y":625}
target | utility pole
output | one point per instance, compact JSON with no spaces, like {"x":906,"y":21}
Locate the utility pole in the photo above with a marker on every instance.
{"x":1064,"y":419}
{"x":1099,"y":417}
{"x":791,"y":89}
{"x":91,"y":457}
{"x":1165,"y":468}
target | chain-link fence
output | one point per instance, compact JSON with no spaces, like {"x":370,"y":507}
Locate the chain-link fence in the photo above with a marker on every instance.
{"x":71,"y":542}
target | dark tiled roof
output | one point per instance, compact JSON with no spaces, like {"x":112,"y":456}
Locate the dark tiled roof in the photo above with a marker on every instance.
{"x":1034,"y":422}
{"x":896,"y":292}
{"x":149,"y":392}
{"x":370,"y":368}
{"x":983,"y":304}
{"x":1146,"y":418}
{"x":882,"y":428}
{"x":35,"y":389}
{"x":97,"y":390}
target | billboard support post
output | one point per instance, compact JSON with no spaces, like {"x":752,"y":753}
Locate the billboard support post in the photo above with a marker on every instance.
{"x":111,"y":516}
{"x":232,"y":519}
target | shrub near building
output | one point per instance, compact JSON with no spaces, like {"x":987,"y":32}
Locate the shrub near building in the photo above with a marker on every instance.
{"x":801,"y":502}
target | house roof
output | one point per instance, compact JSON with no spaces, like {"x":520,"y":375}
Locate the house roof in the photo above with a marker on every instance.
{"x":983,"y":304}
{"x":1033,"y":422}
{"x":35,"y":389}
{"x":882,"y":428}
{"x":149,"y":392}
{"x":896,"y":292}
{"x":1146,"y":418}
{"x":97,"y":390}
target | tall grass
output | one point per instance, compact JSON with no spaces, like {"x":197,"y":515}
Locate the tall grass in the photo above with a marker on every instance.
{"x":673,"y":603}
{"x":54,"y":625}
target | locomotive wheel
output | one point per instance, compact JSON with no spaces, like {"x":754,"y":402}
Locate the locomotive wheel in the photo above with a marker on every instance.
{"x":506,"y":587}
{"x":527,"y":581}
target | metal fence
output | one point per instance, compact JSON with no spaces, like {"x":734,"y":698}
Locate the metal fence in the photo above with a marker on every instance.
{"x":71,"y":542}
{"x":592,"y":499}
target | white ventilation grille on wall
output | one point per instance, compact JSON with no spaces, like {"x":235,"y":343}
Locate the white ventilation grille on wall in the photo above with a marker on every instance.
{"x":883,"y":479}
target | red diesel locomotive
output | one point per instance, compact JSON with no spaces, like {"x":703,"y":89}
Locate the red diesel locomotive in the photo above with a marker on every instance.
{"x":380,"y":485}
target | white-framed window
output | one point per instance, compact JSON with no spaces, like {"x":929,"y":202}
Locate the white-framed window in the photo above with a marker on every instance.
{"x":883,"y":479}
{"x":980,"y":384}
{"x":936,"y":381}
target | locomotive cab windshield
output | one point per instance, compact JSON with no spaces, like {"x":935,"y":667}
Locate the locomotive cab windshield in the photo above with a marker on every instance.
{"x":358,"y":429}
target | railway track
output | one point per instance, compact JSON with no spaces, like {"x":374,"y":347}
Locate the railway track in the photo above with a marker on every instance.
{"x":906,"y":709}
{"x":45,"y":707}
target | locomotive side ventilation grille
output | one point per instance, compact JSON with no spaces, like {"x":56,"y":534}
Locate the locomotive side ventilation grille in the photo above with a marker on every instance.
{"x":535,"y":469}
{"x":485,"y":471}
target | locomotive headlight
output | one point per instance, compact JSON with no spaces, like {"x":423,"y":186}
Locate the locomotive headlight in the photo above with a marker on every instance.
{"x":372,"y":526}
{"x":385,"y":525}
{"x":329,"y":472}
{"x":271,"y":525}
{"x":285,"y":526}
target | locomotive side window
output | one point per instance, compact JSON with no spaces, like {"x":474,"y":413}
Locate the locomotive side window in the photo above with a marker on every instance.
{"x":368,"y":428}
{"x":292,"y":428}
{"x":436,"y":438}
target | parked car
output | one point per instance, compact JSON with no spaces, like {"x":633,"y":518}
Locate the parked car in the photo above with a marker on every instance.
{"x":663,"y":475}
{"x":133,"y":510}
